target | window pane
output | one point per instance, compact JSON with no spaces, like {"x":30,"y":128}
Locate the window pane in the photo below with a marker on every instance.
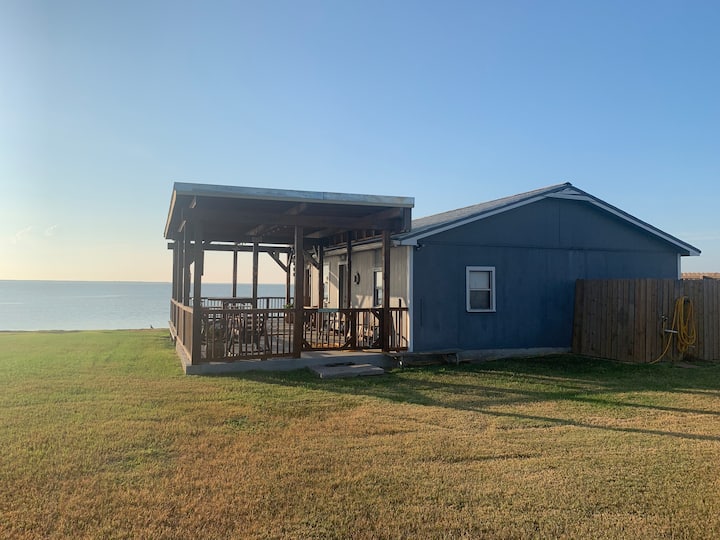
{"x":480,"y":300}
{"x":377,"y":288}
{"x":479,"y":279}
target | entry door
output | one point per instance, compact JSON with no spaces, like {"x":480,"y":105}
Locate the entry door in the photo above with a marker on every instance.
{"x":342,"y":286}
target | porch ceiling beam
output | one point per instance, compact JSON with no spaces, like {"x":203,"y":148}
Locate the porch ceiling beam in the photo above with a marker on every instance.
{"x":325,"y":233}
{"x":402,"y":215}
{"x":266,"y":227}
{"x":239,"y":237}
{"x":247,"y":249}
{"x":297,"y":209}
{"x":235,"y":235}
{"x":260,"y":230}
{"x":269,"y":227}
{"x":220,"y":218}
{"x":240,"y":249}
{"x":390,"y":213}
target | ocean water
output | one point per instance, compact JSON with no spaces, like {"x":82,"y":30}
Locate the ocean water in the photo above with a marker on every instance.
{"x":98,"y":305}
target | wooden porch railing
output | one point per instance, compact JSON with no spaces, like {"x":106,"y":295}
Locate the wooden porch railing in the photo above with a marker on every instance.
{"x":232,"y":330}
{"x":181,"y":319}
{"x":263,"y":302}
{"x":246,"y":334}
{"x":353,"y":329}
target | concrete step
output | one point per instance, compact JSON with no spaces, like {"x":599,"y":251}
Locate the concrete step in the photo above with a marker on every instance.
{"x":344,"y":369}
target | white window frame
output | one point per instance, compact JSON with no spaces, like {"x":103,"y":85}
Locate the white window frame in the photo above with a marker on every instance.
{"x":326,"y":285}
{"x":490,"y":269}
{"x":377,"y":302}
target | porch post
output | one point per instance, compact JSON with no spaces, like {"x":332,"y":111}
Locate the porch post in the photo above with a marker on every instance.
{"x":255,"y":274}
{"x":321,"y":277}
{"x":173,"y":293}
{"x":353,"y":316}
{"x":299,"y":320}
{"x":187,"y":260}
{"x":348,"y":281}
{"x":178,"y":270}
{"x":386,"y":326}
{"x":234,"y":277}
{"x":197,"y":297}
{"x":287,"y":280}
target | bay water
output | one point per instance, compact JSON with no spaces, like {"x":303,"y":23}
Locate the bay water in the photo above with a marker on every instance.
{"x":99,"y":305}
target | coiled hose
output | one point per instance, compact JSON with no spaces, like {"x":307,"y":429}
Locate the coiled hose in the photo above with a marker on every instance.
{"x":683,"y":328}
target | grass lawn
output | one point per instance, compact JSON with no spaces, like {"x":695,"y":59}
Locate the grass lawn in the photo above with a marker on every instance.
{"x":101,"y":436}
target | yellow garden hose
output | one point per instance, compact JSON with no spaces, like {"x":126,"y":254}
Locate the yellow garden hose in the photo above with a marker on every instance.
{"x":683,"y":328}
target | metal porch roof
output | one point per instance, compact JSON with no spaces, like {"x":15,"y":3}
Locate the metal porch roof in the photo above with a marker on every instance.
{"x":242,"y":214}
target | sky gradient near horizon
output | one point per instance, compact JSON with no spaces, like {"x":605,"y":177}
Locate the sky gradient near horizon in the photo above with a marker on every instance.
{"x":103,"y":105}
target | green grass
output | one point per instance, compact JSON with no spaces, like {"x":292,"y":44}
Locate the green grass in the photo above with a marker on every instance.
{"x":101,"y":436}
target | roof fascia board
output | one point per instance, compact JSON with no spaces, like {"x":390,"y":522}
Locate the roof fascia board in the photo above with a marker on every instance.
{"x":239,"y":192}
{"x":173,"y":199}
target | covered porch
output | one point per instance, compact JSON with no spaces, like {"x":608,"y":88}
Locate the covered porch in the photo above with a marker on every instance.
{"x":293,"y":229}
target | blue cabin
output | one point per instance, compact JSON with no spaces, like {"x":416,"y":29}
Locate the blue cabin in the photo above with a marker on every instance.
{"x":501,"y":274}
{"x":361,"y":274}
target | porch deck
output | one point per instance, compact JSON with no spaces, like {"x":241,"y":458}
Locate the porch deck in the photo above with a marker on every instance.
{"x":308,"y":359}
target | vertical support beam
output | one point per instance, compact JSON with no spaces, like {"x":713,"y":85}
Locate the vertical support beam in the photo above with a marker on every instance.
{"x":234,"y":277}
{"x":187,"y":260}
{"x":175,"y":251}
{"x":299,"y":321}
{"x":321,"y":277}
{"x":288,"y":298}
{"x":174,"y":291}
{"x":386,"y":322}
{"x":349,"y":280}
{"x":197,"y":296}
{"x":178,"y":270}
{"x":255,"y":274}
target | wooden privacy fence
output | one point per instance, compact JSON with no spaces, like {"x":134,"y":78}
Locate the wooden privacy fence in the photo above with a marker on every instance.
{"x":629,"y":319}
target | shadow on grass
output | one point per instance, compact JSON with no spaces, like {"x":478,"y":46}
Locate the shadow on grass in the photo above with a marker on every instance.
{"x":565,"y":378}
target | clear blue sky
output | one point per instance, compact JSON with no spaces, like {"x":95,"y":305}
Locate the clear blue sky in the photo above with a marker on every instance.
{"x":104,"y":104}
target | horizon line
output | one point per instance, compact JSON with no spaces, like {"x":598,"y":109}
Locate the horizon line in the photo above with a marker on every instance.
{"x":133,"y":281}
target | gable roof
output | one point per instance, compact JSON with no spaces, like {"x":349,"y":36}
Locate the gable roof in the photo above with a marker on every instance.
{"x":444,"y":221}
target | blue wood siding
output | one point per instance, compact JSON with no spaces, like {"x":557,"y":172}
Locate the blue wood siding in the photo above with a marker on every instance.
{"x":538,"y":252}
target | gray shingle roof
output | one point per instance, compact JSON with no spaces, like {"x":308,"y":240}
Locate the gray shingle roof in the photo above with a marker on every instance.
{"x":434,"y":224}
{"x":428,"y":224}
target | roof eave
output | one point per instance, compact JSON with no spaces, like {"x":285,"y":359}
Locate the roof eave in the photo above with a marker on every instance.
{"x":326,"y":197}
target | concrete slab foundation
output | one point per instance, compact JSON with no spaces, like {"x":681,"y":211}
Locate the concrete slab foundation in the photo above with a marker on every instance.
{"x":308,"y":360}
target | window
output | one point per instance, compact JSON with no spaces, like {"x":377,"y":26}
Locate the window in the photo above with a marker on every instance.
{"x":326,"y":285}
{"x":377,"y":288}
{"x":480,"y":286}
